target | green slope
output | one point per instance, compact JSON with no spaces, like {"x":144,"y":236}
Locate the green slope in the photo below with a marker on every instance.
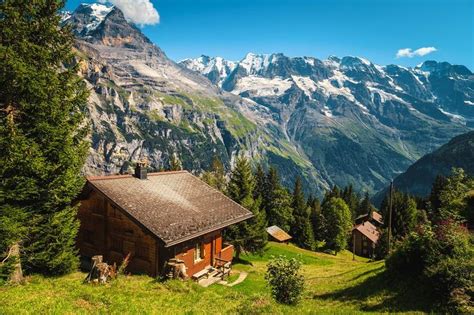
{"x":334,"y":284}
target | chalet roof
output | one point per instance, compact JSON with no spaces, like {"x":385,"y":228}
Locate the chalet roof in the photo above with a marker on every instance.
{"x":375,"y":215}
{"x":174,"y":206}
{"x":369,"y":230}
{"x":278,"y":233}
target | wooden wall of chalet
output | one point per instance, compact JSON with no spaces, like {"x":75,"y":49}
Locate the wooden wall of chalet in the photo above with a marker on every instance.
{"x":212,"y":244}
{"x":106,"y":231}
{"x":363,"y":245}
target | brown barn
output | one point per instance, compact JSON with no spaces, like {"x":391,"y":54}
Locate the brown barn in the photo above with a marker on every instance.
{"x":365,"y":237}
{"x":156,"y":217}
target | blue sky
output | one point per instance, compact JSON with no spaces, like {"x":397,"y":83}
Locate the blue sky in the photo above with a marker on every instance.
{"x":374,"y":29}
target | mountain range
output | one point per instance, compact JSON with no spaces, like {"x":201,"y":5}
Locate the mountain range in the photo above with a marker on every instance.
{"x":335,"y":121}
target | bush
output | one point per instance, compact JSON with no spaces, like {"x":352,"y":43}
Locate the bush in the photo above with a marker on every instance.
{"x":443,"y":257}
{"x":284,"y":279}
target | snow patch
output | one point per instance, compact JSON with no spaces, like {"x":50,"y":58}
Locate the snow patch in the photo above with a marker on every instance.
{"x":259,"y":86}
{"x":385,"y":96}
{"x":454,"y":117}
{"x":99,"y":12}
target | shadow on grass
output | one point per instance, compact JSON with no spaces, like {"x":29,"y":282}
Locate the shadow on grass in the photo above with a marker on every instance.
{"x":241,"y":261}
{"x":394,"y":294}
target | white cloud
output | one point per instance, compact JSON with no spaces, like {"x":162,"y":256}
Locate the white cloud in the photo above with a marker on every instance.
{"x":407,"y":52}
{"x":140,"y":12}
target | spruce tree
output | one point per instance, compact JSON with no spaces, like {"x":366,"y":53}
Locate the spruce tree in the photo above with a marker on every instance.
{"x":351,"y":199}
{"x":301,"y":230}
{"x":277,"y":201}
{"x":175,"y":163}
{"x":215,"y":177}
{"x":251,"y":234}
{"x":404,"y":213}
{"x":365,"y":206}
{"x":42,"y":135}
{"x":338,"y":224}
{"x":317,"y":219}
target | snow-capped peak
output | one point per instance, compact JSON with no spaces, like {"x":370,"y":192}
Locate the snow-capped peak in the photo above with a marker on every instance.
{"x":97,"y":13}
{"x":253,"y":63}
{"x":217,"y":68}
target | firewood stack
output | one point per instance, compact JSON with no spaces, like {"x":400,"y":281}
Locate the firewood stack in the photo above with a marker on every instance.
{"x":101,"y":272}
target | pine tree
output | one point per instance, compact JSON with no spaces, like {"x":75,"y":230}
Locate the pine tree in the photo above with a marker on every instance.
{"x":277,"y":201}
{"x":301,"y":230}
{"x":260,"y":185}
{"x":351,"y":199}
{"x":404,"y":213}
{"x":338,"y":224}
{"x":215,"y":177}
{"x":317,"y":219}
{"x":335,"y":192}
{"x":175,"y":163}
{"x":41,"y":134}
{"x":251,"y":234}
{"x":365,"y":206}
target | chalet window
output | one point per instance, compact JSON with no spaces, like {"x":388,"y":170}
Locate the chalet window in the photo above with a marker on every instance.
{"x":198,"y":252}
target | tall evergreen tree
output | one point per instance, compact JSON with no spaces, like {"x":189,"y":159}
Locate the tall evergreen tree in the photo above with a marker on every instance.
{"x":351,"y":198}
{"x":338,"y":223}
{"x":249,"y":235}
{"x":404,"y":213}
{"x":317,"y":219}
{"x":277,"y":201}
{"x":215,"y":177}
{"x":260,"y":185}
{"x":365,"y":206}
{"x":175,"y":163}
{"x":302,"y":229}
{"x":41,"y":134}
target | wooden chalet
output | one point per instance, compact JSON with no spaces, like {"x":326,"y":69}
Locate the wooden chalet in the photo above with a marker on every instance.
{"x":278,"y":235}
{"x":365,"y":237}
{"x":160,"y":219}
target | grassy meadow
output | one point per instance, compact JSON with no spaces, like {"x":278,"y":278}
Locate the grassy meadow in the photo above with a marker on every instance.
{"x":334,"y":284}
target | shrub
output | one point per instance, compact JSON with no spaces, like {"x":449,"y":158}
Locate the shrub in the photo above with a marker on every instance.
{"x":284,"y":279}
{"x":443,"y":257}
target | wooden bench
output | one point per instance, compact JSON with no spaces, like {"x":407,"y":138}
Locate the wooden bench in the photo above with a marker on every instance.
{"x":203,"y":273}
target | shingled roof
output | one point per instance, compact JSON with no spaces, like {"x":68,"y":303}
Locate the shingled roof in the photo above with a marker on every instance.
{"x":369,"y":230}
{"x":174,"y":206}
{"x":277,"y":233}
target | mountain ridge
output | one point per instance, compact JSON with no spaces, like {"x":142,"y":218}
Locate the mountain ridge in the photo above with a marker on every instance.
{"x":337,"y":121}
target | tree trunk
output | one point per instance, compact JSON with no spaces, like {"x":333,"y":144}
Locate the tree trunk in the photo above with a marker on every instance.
{"x":17,"y":274}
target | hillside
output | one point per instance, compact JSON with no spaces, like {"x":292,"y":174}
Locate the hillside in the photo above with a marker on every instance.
{"x":334,"y":284}
{"x":417,"y":180}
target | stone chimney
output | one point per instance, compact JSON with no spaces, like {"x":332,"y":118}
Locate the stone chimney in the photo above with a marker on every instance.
{"x":140,"y":170}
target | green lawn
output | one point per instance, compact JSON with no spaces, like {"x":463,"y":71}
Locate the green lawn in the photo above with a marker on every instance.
{"x":334,"y":284}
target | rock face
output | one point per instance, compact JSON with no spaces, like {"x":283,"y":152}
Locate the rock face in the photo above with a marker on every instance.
{"x":336,"y":121}
{"x":357,"y":122}
{"x":417,"y":180}
{"x":143,"y":105}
